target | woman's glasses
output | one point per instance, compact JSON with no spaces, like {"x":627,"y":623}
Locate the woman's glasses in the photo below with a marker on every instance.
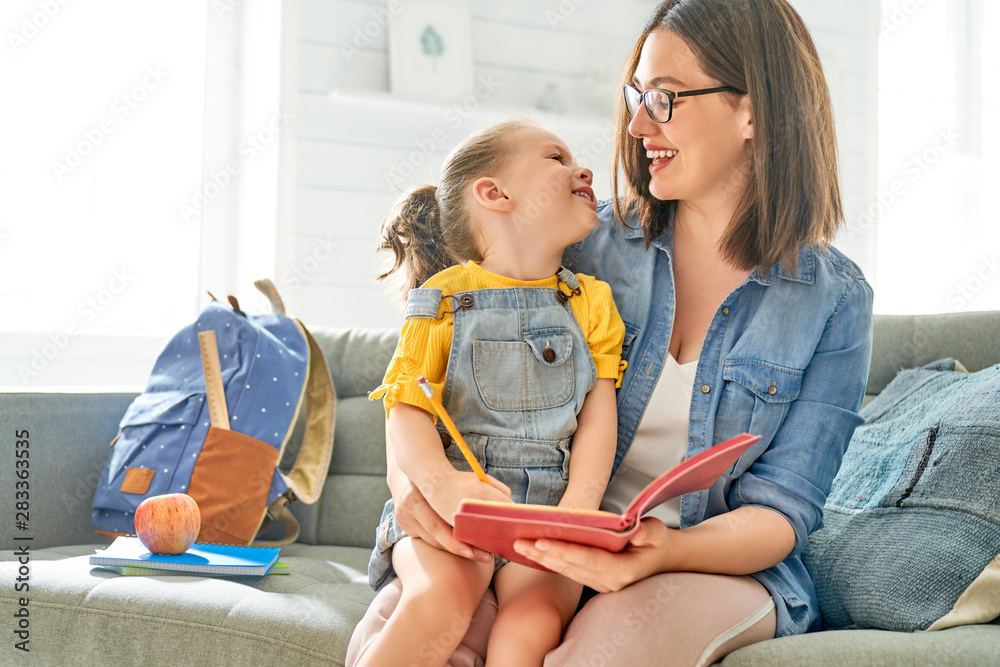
{"x":660,"y":103}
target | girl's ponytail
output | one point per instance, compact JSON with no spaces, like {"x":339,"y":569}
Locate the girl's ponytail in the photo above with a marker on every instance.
{"x":432,"y":228}
{"x":412,"y":231}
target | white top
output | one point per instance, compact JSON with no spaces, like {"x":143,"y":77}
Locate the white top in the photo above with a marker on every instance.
{"x":660,"y":442}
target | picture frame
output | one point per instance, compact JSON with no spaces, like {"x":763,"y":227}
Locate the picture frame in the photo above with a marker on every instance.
{"x":430,"y":50}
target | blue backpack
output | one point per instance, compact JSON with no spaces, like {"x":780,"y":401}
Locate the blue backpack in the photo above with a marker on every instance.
{"x":214,"y":420}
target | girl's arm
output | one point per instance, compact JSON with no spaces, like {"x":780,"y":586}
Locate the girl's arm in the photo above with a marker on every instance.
{"x":593,"y":448}
{"x":422,"y":460}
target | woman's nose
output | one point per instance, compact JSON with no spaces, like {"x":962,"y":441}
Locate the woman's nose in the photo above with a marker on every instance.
{"x":639,"y":126}
{"x":587,"y":175}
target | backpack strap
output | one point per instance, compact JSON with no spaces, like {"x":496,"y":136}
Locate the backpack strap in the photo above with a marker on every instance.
{"x":267,"y":288}
{"x":278,"y":510}
{"x":309,"y":472}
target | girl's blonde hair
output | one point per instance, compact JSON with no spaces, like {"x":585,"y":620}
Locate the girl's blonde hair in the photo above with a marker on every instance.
{"x":431,"y":228}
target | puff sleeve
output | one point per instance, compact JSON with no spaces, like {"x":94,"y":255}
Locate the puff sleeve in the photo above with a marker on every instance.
{"x":423,"y":349}
{"x":606,"y":333}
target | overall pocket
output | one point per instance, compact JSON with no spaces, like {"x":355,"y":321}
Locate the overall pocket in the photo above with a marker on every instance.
{"x":531,"y":374}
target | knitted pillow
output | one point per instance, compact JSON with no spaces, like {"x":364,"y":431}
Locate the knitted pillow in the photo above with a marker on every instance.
{"x":912,"y":523}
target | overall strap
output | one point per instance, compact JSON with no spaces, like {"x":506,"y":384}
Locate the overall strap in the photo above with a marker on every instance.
{"x":423,"y":302}
{"x":568,"y":277}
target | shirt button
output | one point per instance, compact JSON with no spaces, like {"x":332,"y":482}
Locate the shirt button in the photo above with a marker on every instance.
{"x":725,"y":310}
{"x":445,"y":440}
{"x":549,"y":355}
{"x":773,"y":389}
{"x":705,"y":389}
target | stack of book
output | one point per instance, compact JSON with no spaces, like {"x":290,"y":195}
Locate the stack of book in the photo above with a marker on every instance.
{"x":128,"y":556}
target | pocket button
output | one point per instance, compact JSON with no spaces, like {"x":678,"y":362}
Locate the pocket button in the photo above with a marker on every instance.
{"x":549,"y":355}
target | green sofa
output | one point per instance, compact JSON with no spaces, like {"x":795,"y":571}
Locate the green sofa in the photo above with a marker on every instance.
{"x":77,"y":615}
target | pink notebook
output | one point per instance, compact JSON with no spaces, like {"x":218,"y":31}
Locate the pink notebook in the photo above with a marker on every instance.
{"x":493,"y":526}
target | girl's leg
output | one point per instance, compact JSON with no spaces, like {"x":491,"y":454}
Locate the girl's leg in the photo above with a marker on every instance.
{"x":695,"y":619}
{"x":470,"y":653}
{"x":535,"y":607}
{"x":440,"y":593}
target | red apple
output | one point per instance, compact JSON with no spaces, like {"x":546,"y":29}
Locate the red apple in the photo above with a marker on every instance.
{"x":168,"y":524}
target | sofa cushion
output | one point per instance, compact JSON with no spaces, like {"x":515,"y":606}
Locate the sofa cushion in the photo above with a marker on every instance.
{"x":303,"y":618}
{"x":957,"y":647}
{"x":912,"y":522}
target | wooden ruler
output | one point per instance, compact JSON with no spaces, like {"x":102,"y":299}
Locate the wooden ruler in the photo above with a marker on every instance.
{"x":215,"y":392}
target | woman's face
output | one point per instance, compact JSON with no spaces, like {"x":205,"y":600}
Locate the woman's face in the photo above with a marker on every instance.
{"x":707,"y":140}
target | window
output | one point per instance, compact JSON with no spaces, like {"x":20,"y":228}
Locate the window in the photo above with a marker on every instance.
{"x":102,"y":148}
{"x":939,"y":86}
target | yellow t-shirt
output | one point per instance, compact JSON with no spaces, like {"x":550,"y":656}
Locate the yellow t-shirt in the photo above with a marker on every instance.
{"x":424,"y":343}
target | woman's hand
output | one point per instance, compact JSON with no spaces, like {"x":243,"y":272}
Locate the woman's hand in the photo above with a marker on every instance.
{"x":602,"y":570}
{"x":445,"y":491}
{"x":419,"y":519}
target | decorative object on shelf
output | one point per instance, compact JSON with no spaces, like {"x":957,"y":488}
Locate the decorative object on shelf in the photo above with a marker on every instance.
{"x":430,"y":51}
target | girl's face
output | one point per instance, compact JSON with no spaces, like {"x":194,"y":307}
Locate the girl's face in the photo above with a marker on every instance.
{"x":702,"y":153}
{"x":551,"y":197}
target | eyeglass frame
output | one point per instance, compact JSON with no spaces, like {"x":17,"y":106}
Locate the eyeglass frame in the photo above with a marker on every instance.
{"x":671,"y":96}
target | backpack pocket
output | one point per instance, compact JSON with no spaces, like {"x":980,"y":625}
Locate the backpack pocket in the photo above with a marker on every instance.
{"x":231,"y":482}
{"x":153,"y":437}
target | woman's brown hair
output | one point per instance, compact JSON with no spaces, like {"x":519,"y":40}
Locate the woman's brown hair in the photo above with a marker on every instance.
{"x":431,"y":228}
{"x":793,"y":192}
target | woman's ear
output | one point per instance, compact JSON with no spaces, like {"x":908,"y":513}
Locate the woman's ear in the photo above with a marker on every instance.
{"x":746,"y":117}
{"x":489,"y":193}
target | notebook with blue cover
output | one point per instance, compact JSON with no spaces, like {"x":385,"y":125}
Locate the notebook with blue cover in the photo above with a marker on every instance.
{"x":199,"y":558}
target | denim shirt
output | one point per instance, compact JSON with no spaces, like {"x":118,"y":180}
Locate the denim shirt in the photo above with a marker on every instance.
{"x":786,"y":357}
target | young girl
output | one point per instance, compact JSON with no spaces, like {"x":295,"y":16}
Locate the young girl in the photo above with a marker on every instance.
{"x":525,"y":356}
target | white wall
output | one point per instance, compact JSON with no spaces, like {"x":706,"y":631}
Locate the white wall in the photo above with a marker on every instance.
{"x":352,"y":133}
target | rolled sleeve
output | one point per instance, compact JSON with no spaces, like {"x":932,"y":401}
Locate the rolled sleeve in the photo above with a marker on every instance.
{"x":606,"y":335}
{"x":794,"y":474}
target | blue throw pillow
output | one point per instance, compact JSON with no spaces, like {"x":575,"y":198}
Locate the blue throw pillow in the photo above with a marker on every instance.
{"x":912,"y":523}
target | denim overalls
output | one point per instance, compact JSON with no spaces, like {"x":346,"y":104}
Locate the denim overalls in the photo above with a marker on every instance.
{"x":518,"y":372}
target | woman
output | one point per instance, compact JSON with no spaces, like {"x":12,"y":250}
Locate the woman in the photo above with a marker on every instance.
{"x":736,"y":309}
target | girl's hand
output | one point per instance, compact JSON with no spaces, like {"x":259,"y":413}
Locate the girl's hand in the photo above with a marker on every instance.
{"x":602,"y":570}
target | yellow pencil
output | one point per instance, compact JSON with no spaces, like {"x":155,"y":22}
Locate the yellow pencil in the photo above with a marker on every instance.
{"x":450,"y":425}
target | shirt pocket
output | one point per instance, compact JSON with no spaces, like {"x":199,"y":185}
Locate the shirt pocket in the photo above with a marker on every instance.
{"x":755,"y":399}
{"x":531,"y":374}
{"x":631,"y":333}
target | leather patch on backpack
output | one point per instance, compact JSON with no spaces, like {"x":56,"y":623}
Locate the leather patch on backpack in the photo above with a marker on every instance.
{"x":137,"y":480}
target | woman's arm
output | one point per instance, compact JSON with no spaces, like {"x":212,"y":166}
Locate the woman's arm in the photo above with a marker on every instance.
{"x":593,"y":448}
{"x":743,"y":541}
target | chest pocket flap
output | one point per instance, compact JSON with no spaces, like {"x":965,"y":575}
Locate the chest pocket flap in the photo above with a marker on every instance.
{"x":769,"y":382}
{"x":551,"y":348}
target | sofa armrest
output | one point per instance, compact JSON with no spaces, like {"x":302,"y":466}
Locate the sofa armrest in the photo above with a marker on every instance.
{"x":68,"y":436}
